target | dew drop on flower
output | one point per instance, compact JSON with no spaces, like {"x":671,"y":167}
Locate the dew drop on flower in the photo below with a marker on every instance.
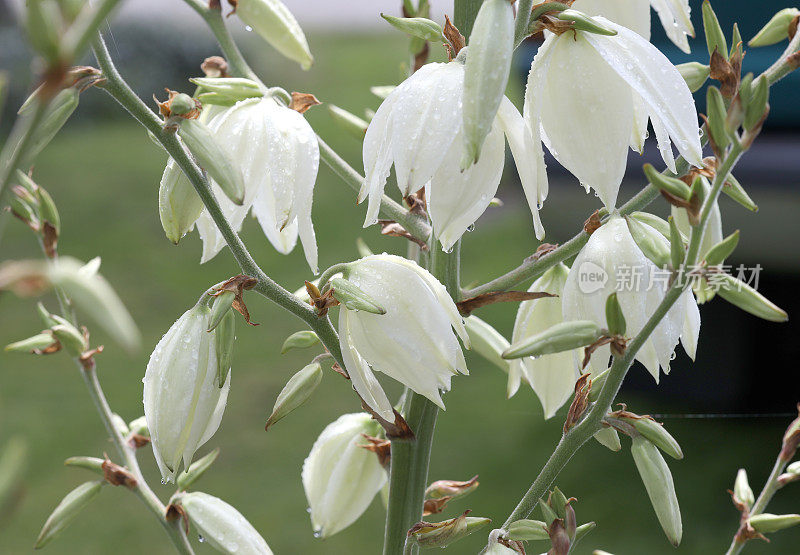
{"x":200,"y":538}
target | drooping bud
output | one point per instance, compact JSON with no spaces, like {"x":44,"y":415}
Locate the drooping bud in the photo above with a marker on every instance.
{"x":767,"y":522}
{"x":657,"y":435}
{"x":748,"y":299}
{"x":348,"y":122}
{"x":196,"y":470}
{"x":487,"y":342}
{"x":36,"y":342}
{"x":221,"y":525}
{"x":67,"y":510}
{"x":341,"y":478}
{"x":273,"y":22}
{"x":302,"y":339}
{"x":614,"y":316}
{"x":715,"y":38}
{"x":183,"y":402}
{"x":179,"y":206}
{"x":734,"y":189}
{"x":419,"y":27}
{"x":353,"y":298}
{"x":226,"y":91}
{"x":694,"y":73}
{"x":717,"y":118}
{"x":491,"y":45}
{"x":660,"y":488}
{"x":443,"y":534}
{"x":95,"y":464}
{"x":213,"y":158}
{"x":741,"y":489}
{"x":776,"y":29}
{"x":296,"y":392}
{"x":527,"y":530}
{"x":56,"y":115}
{"x":70,"y":338}
{"x":758,"y":105}
{"x":560,"y":337}
{"x":718,"y":253}
{"x":671,"y":185}
{"x":43,"y":22}
{"x":582,"y":22}
{"x":677,"y":247}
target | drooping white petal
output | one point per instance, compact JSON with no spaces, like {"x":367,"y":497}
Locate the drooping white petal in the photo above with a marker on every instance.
{"x":526,"y":148}
{"x":377,"y":154}
{"x":586,"y":113}
{"x":553,"y":376}
{"x":221,"y":525}
{"x":675,"y":16}
{"x":455,"y":198}
{"x":691,"y":324}
{"x":650,"y":74}
{"x":361,"y":376}
{"x":426,"y":115}
{"x":640,"y":120}
{"x":340,"y":478}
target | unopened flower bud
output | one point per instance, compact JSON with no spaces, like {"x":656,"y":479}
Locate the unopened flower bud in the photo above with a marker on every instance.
{"x":341,"y":478}
{"x":45,"y":316}
{"x":756,"y":109}
{"x":419,"y":27}
{"x":652,"y":244}
{"x":300,"y":340}
{"x":274,"y":23}
{"x":224,"y":338}
{"x":226,"y":91}
{"x":671,"y":185}
{"x":694,"y":73}
{"x":296,"y":392}
{"x":491,"y":45}
{"x":614,"y":316}
{"x":139,"y":427}
{"x":558,"y":502}
{"x":183,"y":402}
{"x":583,"y":22}
{"x":213,"y":158}
{"x":560,"y":337}
{"x":220,"y":306}
{"x":527,"y":530}
{"x":718,"y":253}
{"x":776,"y":29}
{"x":548,"y":513}
{"x":677,"y":245}
{"x":748,"y":299}
{"x":717,"y":118}
{"x":354,"y":298}
{"x":67,"y":510}
{"x":179,"y":206}
{"x":608,"y":437}
{"x":56,"y":115}
{"x":766,"y":522}
{"x":38,"y":341}
{"x":451,"y":488}
{"x":793,"y":468}
{"x":70,"y":338}
{"x":95,"y":464}
{"x":741,"y":488}
{"x":715,"y":38}
{"x":196,"y":470}
{"x":43,"y":22}
{"x":443,"y":534}
{"x":735,"y":190}
{"x":221,"y":525}
{"x":657,"y":435}
{"x":660,"y":488}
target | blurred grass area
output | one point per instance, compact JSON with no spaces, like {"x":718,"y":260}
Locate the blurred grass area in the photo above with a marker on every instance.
{"x":104,"y":177}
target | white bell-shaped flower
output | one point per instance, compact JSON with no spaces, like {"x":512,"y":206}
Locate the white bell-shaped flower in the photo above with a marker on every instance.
{"x":418,"y":127}
{"x":553,"y":376}
{"x":340,"y":477}
{"x":413,"y":342}
{"x":221,"y":525}
{"x":612,"y":262}
{"x":278,"y":154}
{"x":183,"y":400}
{"x":675,"y":16}
{"x":592,"y":95}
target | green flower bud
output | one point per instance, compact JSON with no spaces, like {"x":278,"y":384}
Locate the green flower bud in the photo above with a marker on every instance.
{"x":419,"y":27}
{"x":694,"y":73}
{"x":793,"y":468}
{"x":741,"y":488}
{"x":45,"y":316}
{"x":296,"y":392}
{"x":734,"y":190}
{"x":548,"y":513}
{"x":766,"y":522}
{"x":671,"y":185}
{"x":748,"y":299}
{"x":614,"y":316}
{"x":302,"y":339}
{"x":348,"y":122}
{"x":94,"y":464}
{"x":181,"y":104}
{"x":70,"y":338}
{"x":179,"y":206}
{"x":224,"y":336}
{"x":527,"y":530}
{"x":717,"y":115}
{"x":38,"y":341}
{"x":717,"y":254}
{"x":715,"y":38}
{"x":67,"y":510}
{"x":597,"y":385}
{"x":583,"y":530}
{"x":47,"y":209}
{"x":220,"y":307}
{"x":657,"y":223}
{"x":226,"y":90}
{"x":583,"y":22}
{"x":354,"y":298}
{"x":196,"y":470}
{"x":43,"y":22}
{"x":650,"y":242}
{"x":274,"y":23}
{"x":491,"y":45}
{"x":657,"y":435}
{"x":443,"y":534}
{"x":677,"y":248}
{"x":608,"y":437}
{"x":558,"y":502}
{"x":758,"y":106}
{"x":487,"y":342}
{"x":211,"y":157}
{"x":561,"y":337}
{"x":776,"y":29}
{"x":660,"y":488}
{"x":139,"y":426}
{"x":56,"y":115}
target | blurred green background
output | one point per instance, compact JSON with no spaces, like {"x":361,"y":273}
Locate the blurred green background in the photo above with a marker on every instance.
{"x":103,"y":174}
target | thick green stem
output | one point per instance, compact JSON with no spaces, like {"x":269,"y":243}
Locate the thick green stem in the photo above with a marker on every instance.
{"x":523,"y":20}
